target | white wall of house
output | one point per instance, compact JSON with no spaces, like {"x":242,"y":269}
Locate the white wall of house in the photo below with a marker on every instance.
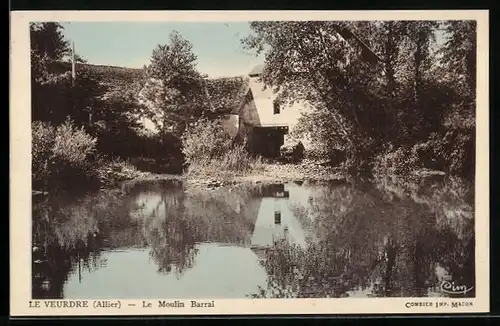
{"x":264,"y":107}
{"x":260,"y":111}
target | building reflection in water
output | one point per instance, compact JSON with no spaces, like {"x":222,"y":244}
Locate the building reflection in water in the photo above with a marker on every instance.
{"x":275,"y":222}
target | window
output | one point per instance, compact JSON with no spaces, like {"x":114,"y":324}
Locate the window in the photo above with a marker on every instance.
{"x":277,"y":217}
{"x":276,"y":107}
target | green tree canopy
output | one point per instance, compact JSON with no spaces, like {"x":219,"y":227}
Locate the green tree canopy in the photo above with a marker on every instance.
{"x":371,"y":83}
{"x":174,"y":90}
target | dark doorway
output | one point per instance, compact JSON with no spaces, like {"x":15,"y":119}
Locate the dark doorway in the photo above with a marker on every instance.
{"x":268,"y":140}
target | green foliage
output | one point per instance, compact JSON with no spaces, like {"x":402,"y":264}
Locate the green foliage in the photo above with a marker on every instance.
{"x":460,"y":152}
{"x":47,"y":46}
{"x":117,"y":78}
{"x":173,"y":89}
{"x":72,"y":145}
{"x":397,"y":161}
{"x":370,"y":83}
{"x":205,"y":140}
{"x":47,"y":40}
{"x":459,"y":52}
{"x":292,"y":151}
{"x":176,"y":95}
{"x":451,"y":153}
{"x":102,"y":99}
{"x":54,"y":94}
{"x":239,"y":160}
{"x":403,"y":88}
{"x":62,"y":156}
{"x":42,"y":140}
{"x":207,"y":147}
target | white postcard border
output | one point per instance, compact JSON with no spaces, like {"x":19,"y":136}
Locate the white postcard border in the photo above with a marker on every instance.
{"x":20,"y":175}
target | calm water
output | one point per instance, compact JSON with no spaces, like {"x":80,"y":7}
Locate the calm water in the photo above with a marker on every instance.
{"x":164,"y":240}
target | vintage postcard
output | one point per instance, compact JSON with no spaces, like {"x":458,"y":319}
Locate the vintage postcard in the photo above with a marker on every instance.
{"x":249,"y":162}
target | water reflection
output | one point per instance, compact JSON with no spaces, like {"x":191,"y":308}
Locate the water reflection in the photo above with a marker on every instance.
{"x":159,"y":239}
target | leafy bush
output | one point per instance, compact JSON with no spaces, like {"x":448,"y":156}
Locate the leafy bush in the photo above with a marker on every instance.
{"x":292,"y":151}
{"x":392,"y":161}
{"x":62,"y":156}
{"x":72,"y":145}
{"x":208,"y":149}
{"x":430,"y":154}
{"x":460,"y":152}
{"x":42,"y":140}
{"x":238,"y":158}
{"x":205,"y":141}
{"x":453,"y":153}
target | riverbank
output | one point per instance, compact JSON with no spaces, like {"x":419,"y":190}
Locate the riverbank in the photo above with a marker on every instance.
{"x":306,"y":171}
{"x":110,"y":176}
{"x":266,"y":173}
{"x":270,"y":173}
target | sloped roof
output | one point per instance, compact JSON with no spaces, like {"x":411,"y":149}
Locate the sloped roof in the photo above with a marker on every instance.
{"x":227,"y":93}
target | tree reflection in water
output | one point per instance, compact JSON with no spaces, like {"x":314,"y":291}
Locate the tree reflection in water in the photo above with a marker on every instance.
{"x":71,"y":231}
{"x":183,"y":219}
{"x":170,"y":235}
{"x":378,"y":242}
{"x":390,"y":238}
{"x":65,"y":238}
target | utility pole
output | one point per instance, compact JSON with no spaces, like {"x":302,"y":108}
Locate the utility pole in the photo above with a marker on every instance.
{"x":73,"y":72}
{"x":73,"y":63}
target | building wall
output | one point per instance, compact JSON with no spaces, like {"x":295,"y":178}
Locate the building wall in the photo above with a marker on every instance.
{"x":259,"y":110}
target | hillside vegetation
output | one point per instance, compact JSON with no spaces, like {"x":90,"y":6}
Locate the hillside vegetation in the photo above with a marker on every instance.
{"x":112,"y":77}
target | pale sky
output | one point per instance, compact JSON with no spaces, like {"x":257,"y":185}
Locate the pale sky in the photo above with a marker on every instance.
{"x":130,"y":44}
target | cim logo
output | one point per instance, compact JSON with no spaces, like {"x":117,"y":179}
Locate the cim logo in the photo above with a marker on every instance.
{"x":452,"y":288}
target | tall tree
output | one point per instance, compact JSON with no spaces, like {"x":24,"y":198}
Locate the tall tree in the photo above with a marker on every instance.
{"x":47,"y":46}
{"x":174,"y":88}
{"x":459,"y":51}
{"x":47,"y":40}
{"x":459,"y":61}
{"x":370,"y":83}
